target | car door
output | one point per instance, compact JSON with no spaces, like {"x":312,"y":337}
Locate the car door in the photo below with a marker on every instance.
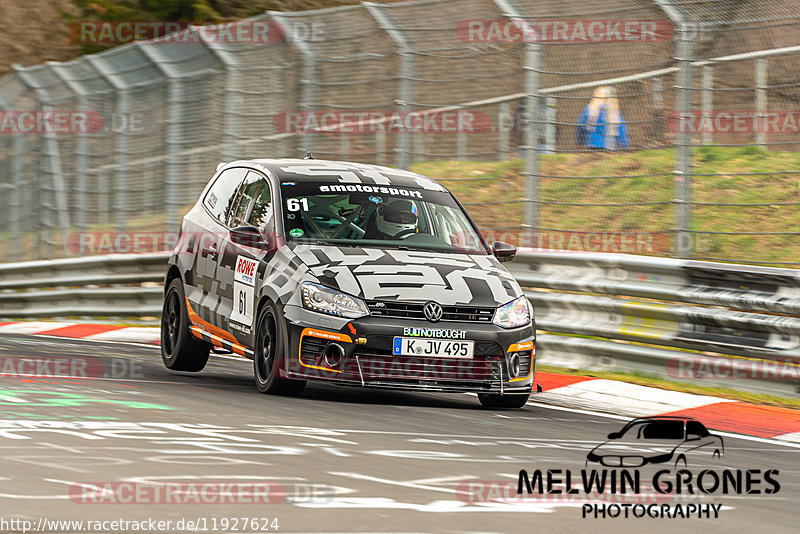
{"x":204,"y":229}
{"x":251,"y":211}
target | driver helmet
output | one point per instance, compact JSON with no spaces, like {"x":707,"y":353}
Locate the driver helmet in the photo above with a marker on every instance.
{"x":396,"y":217}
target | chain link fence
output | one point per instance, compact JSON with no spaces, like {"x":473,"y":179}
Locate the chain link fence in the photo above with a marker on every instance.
{"x":501,"y":99}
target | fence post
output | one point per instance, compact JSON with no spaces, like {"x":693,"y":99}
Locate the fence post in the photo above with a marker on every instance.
{"x":52,"y":157}
{"x":308,"y":79}
{"x":233,"y":97}
{"x":504,"y":124}
{"x":761,"y":101}
{"x":683,"y":139}
{"x":708,"y":102}
{"x":551,"y":126}
{"x":380,"y":148}
{"x":81,"y":150}
{"x":176,"y":98}
{"x":406,"y":89}
{"x":122,"y":109}
{"x":15,"y":198}
{"x":344,"y":145}
{"x":461,"y":146}
{"x":532,"y":119}
{"x":683,"y":155}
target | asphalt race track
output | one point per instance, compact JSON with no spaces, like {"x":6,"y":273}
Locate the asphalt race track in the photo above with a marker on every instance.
{"x":346,"y":460}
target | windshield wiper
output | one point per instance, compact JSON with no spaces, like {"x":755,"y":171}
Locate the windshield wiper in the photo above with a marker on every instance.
{"x":314,"y":241}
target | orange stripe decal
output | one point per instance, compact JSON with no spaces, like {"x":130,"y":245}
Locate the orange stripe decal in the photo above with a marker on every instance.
{"x":198,"y":321}
{"x":515,"y":347}
{"x":336,"y":336}
{"x":520,"y":347}
{"x":235,"y":347}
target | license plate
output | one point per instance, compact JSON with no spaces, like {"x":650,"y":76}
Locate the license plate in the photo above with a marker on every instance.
{"x":435,"y":348}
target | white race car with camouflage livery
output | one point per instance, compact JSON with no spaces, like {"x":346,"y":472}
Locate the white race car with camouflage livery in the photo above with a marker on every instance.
{"x":349,"y":273}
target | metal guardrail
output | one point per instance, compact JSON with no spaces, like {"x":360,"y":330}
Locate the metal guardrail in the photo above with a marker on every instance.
{"x":733,"y":326}
{"x":91,"y":286}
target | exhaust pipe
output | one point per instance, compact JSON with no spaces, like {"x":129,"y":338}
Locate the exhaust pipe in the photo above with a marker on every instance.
{"x":332,"y":355}
{"x":513,"y":365}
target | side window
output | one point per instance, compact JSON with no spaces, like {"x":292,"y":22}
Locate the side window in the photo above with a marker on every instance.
{"x":219,"y":197}
{"x":261,"y":216}
{"x":251,"y":203}
{"x":696,"y":428}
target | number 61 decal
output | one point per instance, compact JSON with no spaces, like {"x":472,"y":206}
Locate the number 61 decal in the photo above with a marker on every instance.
{"x":295,"y":204}
{"x":244,"y":282}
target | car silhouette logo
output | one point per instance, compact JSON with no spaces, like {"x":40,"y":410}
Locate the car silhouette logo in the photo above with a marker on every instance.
{"x":658,"y":440}
{"x":432,"y":311}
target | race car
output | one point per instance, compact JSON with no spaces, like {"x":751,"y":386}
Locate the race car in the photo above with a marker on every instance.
{"x":347,"y":273}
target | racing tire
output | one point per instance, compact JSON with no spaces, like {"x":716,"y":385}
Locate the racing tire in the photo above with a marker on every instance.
{"x":271,"y":342}
{"x":489,"y":400}
{"x":180,"y":350}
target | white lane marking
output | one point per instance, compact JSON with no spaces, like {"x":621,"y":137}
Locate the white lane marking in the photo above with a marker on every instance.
{"x":435,"y":506}
{"x":31,"y":327}
{"x":132,"y":343}
{"x":70,"y":377}
{"x":626,"y":399}
{"x":444,"y":480}
{"x":129,"y":333}
{"x":791,"y":436}
{"x":408,"y":484}
{"x":39,"y":497}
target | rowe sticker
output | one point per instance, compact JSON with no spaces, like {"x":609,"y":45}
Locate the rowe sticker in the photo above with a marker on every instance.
{"x":244,"y":288}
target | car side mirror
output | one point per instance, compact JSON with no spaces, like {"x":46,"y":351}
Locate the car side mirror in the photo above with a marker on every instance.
{"x":503,"y":251}
{"x":248,"y":236}
{"x":614,"y":435}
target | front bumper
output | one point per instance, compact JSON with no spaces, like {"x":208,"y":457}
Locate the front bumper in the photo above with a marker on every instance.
{"x":367,"y":359}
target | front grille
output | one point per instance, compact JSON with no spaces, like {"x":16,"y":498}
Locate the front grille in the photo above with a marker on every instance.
{"x":410,"y":310}
{"x":376,"y":367}
{"x":378,"y":364}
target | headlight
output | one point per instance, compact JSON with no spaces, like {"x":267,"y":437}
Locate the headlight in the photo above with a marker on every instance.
{"x":326,"y":300}
{"x":660,"y":459}
{"x":515,"y":313}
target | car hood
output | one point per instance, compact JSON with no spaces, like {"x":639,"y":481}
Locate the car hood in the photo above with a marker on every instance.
{"x":411,"y":275}
{"x":646,"y":448}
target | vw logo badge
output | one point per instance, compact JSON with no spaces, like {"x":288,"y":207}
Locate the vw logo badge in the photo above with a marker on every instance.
{"x":432,"y":311}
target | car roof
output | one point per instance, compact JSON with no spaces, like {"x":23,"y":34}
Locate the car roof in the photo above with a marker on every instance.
{"x":682,"y":418}
{"x":342,"y":172}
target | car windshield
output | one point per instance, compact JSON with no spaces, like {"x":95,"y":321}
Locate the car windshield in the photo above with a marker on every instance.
{"x":387,"y":216}
{"x":655,"y":430}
